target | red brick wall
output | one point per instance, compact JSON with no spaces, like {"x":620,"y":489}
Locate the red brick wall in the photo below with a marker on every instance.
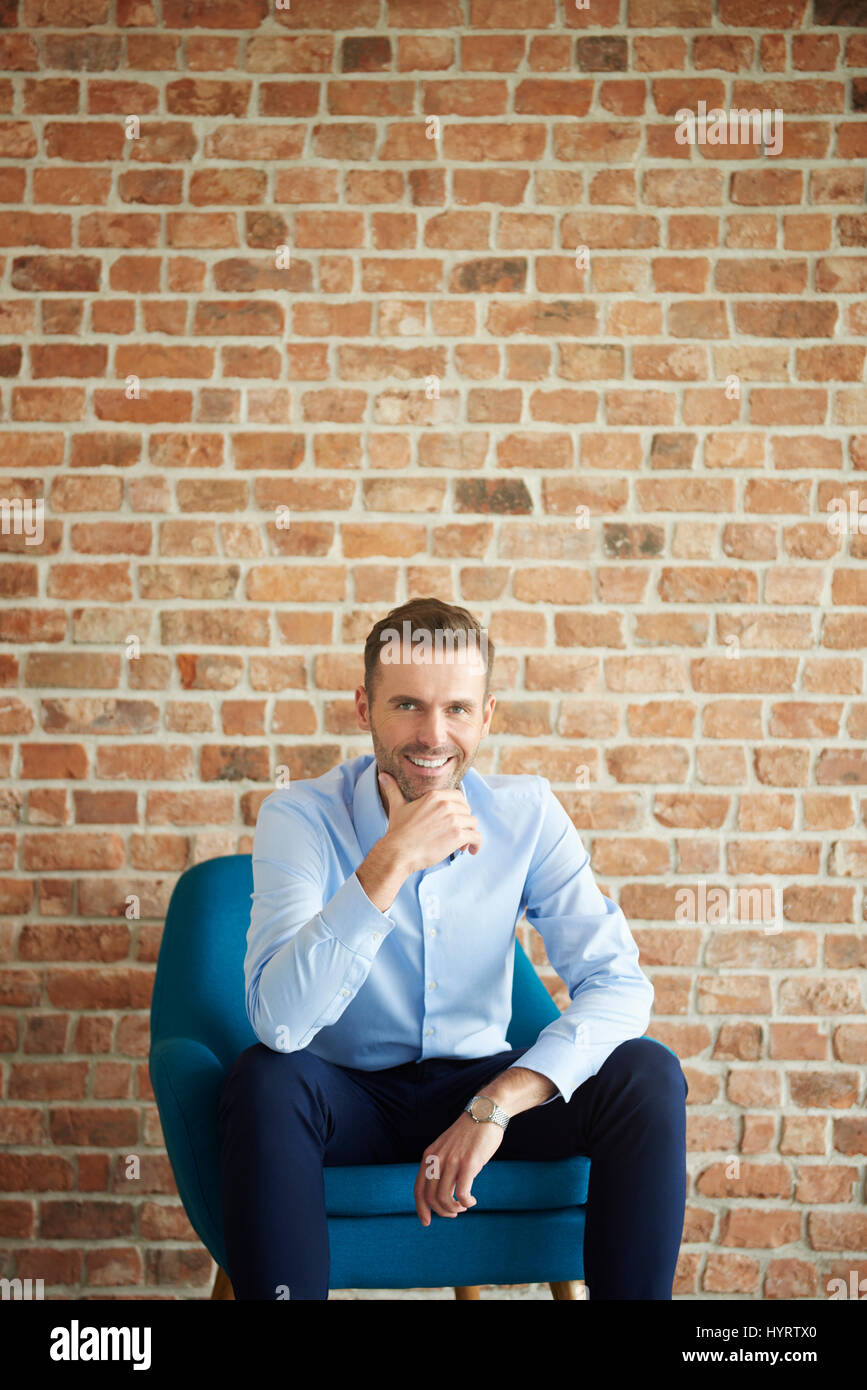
{"x":694,"y":392}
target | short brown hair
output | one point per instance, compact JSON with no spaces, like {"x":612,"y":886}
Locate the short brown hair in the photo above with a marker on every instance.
{"x":426,"y":615}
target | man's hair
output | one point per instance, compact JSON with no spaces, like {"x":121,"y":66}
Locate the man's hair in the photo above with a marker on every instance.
{"x":433,"y":616}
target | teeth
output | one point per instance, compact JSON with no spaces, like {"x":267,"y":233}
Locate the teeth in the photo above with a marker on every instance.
{"x":427,"y":762}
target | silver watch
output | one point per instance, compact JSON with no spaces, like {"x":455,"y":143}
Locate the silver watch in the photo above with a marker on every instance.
{"x":486,"y":1108}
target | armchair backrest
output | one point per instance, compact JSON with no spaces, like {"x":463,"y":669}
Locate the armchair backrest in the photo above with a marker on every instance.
{"x":199,"y":986}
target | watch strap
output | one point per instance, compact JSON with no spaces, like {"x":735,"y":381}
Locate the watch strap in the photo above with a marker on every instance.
{"x":497,"y":1117}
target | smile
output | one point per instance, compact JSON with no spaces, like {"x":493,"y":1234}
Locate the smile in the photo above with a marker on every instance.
{"x":428,"y":765}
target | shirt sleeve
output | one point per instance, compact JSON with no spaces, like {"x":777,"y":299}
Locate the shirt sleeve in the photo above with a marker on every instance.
{"x":590,"y":946}
{"x":306,"y":959}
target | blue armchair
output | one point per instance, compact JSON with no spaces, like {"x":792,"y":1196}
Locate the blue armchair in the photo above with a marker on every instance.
{"x":528,"y":1225}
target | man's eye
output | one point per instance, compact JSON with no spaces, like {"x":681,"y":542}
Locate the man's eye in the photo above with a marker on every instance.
{"x":412,"y":702}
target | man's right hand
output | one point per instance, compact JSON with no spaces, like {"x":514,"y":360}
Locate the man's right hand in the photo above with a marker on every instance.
{"x":422,"y":832}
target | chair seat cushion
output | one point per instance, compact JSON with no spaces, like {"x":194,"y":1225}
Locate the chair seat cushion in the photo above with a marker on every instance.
{"x":383,"y":1189}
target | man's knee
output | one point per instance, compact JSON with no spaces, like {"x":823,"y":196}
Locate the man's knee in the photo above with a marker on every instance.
{"x":259,"y":1070}
{"x":654,"y":1063}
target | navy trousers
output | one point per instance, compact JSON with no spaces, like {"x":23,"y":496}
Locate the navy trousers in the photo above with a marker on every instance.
{"x":285,"y":1115}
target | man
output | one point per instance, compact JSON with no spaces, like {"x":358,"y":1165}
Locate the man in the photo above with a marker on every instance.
{"x":378,"y":981}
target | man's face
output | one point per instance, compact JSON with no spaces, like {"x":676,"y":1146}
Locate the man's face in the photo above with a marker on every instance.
{"x":433,"y":710}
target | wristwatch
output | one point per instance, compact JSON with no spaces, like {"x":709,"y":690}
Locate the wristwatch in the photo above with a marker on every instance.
{"x":486,"y":1108}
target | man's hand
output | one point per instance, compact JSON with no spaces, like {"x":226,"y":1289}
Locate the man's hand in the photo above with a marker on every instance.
{"x":422,"y":832}
{"x":450,"y":1165}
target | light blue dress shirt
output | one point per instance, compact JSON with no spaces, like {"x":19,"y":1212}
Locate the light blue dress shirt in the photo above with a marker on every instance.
{"x":432,"y":976}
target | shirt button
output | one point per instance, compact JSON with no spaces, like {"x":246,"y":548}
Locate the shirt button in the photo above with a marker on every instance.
{"x":376,"y":936}
{"x":432,"y":931}
{"x":428,"y":1031}
{"x":344,"y":991}
{"x":432,"y":985}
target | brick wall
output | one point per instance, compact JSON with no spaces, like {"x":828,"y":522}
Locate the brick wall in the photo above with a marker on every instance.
{"x":625,"y":459}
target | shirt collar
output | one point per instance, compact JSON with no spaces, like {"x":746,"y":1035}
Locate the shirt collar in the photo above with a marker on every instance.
{"x":368,"y":812}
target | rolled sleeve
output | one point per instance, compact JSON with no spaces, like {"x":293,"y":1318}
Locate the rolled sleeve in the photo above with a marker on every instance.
{"x":589,"y":944}
{"x":305,"y":959}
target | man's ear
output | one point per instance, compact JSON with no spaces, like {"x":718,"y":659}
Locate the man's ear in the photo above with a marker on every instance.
{"x":486,"y":722}
{"x":362,"y":708}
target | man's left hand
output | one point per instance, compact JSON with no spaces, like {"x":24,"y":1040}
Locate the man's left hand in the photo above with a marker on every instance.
{"x":450,"y":1165}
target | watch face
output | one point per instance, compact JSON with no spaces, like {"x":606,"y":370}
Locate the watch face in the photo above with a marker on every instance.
{"x":484,"y":1107}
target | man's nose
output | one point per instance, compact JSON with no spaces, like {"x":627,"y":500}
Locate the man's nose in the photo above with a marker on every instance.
{"x":433,"y":733}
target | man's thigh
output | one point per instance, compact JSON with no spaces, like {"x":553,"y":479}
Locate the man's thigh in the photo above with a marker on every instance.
{"x":447,"y":1083}
{"x":543,"y":1131}
{"x":640,"y":1076}
{"x":357,"y":1116}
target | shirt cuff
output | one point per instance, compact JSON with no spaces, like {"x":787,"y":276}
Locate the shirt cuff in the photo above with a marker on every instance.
{"x":563,"y":1064}
{"x":354,"y":921}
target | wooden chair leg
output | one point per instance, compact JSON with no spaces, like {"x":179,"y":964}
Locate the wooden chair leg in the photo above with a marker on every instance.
{"x":222,"y":1285}
{"x":467,"y":1291}
{"x":568,"y":1288}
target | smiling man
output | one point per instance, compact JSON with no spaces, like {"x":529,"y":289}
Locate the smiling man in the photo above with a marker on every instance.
{"x":379,"y":980}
